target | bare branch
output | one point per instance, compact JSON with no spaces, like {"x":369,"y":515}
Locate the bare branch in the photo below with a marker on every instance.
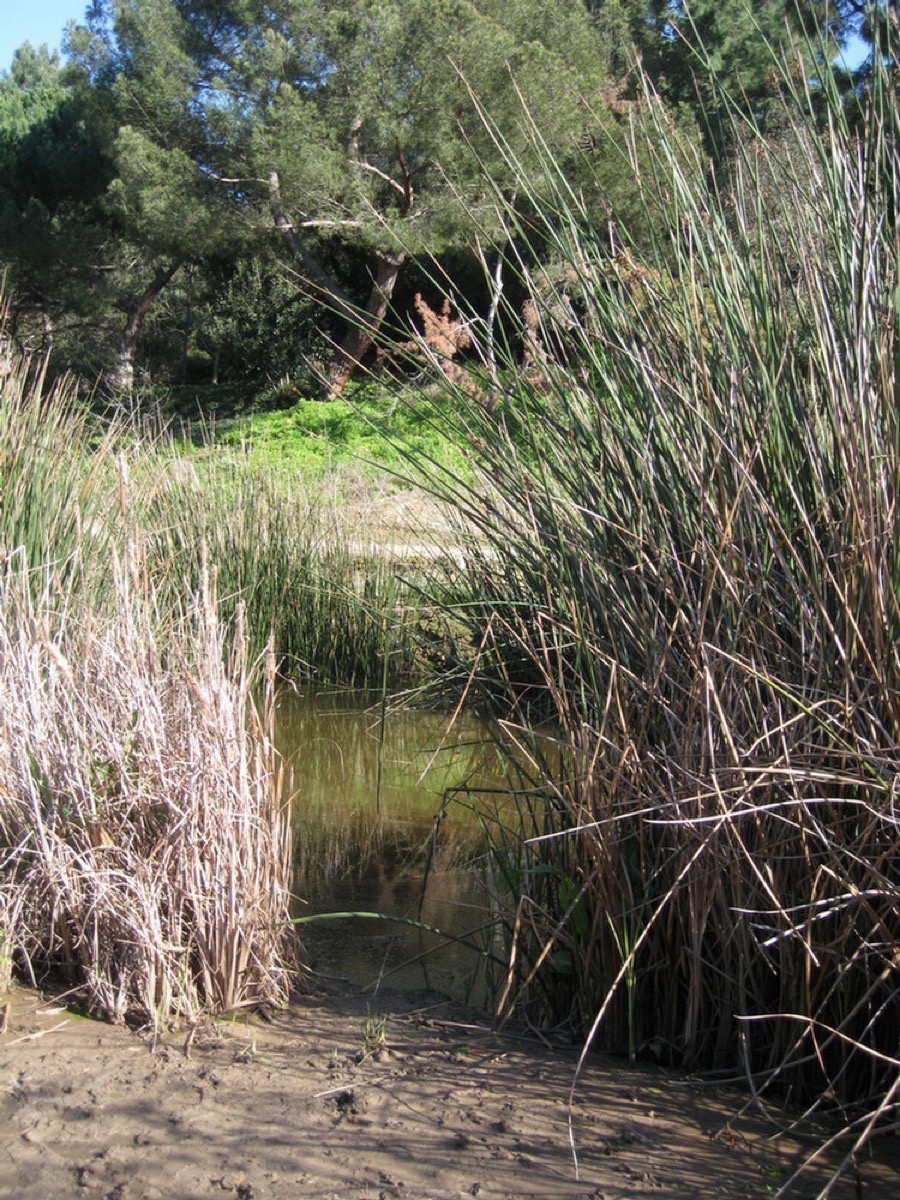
{"x":391,"y":182}
{"x":237,"y":179}
{"x":323,"y":224}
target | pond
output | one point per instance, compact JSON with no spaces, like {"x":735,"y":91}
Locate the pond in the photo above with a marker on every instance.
{"x":386,"y":820}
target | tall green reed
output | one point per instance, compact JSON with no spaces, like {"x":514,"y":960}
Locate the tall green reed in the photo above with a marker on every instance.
{"x":689,"y":496}
{"x":76,"y":491}
{"x":299,"y":571}
{"x":62,"y":486}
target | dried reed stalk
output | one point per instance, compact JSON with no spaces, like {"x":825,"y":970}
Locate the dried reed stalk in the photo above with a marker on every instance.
{"x":145,"y":846}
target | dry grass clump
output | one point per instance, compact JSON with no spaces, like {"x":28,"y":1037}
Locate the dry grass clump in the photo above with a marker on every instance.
{"x":144,"y":853}
{"x":144,"y":843}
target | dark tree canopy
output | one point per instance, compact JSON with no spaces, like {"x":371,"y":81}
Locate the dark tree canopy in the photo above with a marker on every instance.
{"x":345,"y":139}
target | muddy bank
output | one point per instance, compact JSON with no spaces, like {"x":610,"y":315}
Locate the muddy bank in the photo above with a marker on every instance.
{"x":344,"y":1097}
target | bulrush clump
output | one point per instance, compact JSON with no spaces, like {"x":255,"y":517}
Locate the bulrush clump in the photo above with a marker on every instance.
{"x":144,"y":843}
{"x":690,"y":495}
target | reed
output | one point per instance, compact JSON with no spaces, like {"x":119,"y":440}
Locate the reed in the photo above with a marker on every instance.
{"x":64,"y":488}
{"x":145,"y":848}
{"x":76,"y":489}
{"x":145,"y":854}
{"x":689,"y":495}
{"x":301,"y":574}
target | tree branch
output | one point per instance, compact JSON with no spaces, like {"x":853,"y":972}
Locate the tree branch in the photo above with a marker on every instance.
{"x":237,"y":179}
{"x":315,"y":274}
{"x":391,"y":182}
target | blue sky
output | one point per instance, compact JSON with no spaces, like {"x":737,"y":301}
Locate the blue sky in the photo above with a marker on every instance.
{"x":35,"y":21}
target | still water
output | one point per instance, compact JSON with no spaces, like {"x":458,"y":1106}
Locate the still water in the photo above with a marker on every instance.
{"x":386,"y":821}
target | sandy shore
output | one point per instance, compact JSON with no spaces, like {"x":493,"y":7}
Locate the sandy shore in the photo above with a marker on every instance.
{"x":344,"y":1097}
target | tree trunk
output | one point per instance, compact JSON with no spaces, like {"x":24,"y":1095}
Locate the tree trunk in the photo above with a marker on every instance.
{"x":120,"y":380}
{"x":320,"y":282}
{"x":363,"y":323}
{"x":46,"y":341}
{"x":365,"y":328}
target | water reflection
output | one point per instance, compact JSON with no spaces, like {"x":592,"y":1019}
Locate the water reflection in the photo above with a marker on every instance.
{"x":376,"y":830}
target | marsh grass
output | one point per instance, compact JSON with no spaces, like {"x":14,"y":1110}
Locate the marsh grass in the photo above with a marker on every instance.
{"x":76,"y":491}
{"x":145,"y":851}
{"x":62,"y":498}
{"x":691,"y":494}
{"x":145,"y":838}
{"x":331,"y":601}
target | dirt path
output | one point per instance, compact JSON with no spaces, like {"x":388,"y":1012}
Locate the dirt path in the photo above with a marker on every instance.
{"x":335,"y":1098}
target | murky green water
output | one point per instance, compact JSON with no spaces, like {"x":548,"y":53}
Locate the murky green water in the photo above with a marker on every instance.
{"x":384,"y":822}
